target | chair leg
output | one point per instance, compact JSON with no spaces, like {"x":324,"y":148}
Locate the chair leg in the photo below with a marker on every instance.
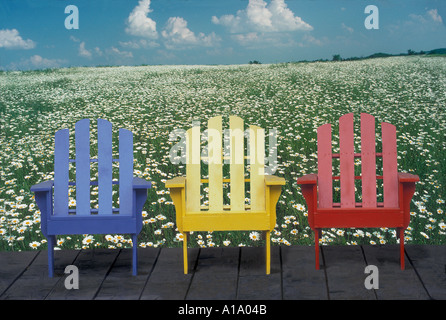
{"x":402,"y":248}
{"x":268,"y":252}
{"x":135,"y":254}
{"x":51,"y":242}
{"x":185,"y":252}
{"x":316,"y":247}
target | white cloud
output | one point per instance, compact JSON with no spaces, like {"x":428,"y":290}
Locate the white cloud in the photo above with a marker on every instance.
{"x":264,"y":40}
{"x":433,"y":13}
{"x":247,"y":38}
{"x":12,"y":40}
{"x":176,"y":33}
{"x":73,"y":38}
{"x":345,"y":27}
{"x":138,"y":44}
{"x":98,"y":51}
{"x":258,"y":15}
{"x":310,"y":40}
{"x":36,"y":62}
{"x":117,"y":53}
{"x":39,"y":62}
{"x":430,"y":17}
{"x":138,"y":22}
{"x":262,"y":17}
{"x":84,"y":52}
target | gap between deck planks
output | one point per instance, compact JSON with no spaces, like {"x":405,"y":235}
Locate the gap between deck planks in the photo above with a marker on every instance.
{"x":231,"y":273}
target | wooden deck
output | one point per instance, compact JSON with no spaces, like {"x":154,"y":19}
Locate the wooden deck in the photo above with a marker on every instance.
{"x":228,"y":274}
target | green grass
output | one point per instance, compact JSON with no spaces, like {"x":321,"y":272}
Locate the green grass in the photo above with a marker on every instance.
{"x":152,"y":101}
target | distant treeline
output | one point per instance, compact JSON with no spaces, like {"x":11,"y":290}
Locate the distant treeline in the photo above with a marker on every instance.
{"x":410,"y":52}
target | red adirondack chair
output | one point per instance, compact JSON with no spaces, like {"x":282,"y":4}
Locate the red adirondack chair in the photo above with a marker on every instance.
{"x":398,"y":188}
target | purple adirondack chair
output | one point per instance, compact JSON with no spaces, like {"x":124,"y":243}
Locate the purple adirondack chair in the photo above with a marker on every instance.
{"x":58,"y":219}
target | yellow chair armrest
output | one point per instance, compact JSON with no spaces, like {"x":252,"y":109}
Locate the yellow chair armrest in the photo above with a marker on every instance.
{"x":177,"y":182}
{"x":274,"y":181}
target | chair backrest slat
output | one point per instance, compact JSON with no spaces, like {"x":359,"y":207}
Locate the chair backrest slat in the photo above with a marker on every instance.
{"x":235,"y":139}
{"x":368,"y":156}
{"x":215,"y":164}
{"x":105,"y":167}
{"x":257,"y":165}
{"x":324,"y":165}
{"x":346,"y":150}
{"x":61,"y":157}
{"x":105,"y":170}
{"x":390,"y":175}
{"x":125,"y":171}
{"x":237,"y":164}
{"x":193,"y":171}
{"x":368,"y":161}
{"x":82,"y":142}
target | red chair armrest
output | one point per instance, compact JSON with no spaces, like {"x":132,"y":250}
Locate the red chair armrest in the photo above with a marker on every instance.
{"x":308,"y":179}
{"x":407,"y":177}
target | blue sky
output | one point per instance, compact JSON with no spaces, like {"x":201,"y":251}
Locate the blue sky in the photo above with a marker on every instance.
{"x":33,"y":34}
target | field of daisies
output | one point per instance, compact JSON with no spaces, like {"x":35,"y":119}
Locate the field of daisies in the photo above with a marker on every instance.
{"x":152,"y":101}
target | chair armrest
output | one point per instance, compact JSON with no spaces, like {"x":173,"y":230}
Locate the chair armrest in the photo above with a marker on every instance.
{"x":139,"y":183}
{"x":177,"y":182}
{"x":308,"y":179}
{"x":274,"y":180}
{"x":407,"y":177}
{"x":44,"y":186}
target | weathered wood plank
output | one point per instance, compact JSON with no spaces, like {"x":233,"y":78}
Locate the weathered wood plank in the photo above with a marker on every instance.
{"x":228,"y":274}
{"x":93,"y":267}
{"x":216,"y":275}
{"x":12,"y":265}
{"x":167,"y":280}
{"x":345,"y":266}
{"x":34,"y":283}
{"x":394,"y":283}
{"x":301,"y":281}
{"x":120,"y":284}
{"x":430,"y":264}
{"x":253,"y":283}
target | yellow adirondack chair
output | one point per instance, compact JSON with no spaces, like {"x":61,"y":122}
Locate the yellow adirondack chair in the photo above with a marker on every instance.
{"x":265,"y":190}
